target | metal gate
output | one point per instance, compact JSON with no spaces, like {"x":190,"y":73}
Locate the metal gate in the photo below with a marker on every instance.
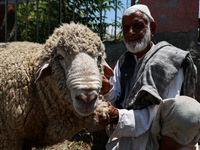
{"x":5,"y":10}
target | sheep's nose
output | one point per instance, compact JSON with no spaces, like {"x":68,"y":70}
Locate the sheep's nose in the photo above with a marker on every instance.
{"x":86,"y":98}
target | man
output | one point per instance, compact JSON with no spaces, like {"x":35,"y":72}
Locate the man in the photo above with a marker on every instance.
{"x":144,"y":77}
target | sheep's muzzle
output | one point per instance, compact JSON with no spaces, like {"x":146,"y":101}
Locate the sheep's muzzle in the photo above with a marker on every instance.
{"x":84,"y":81}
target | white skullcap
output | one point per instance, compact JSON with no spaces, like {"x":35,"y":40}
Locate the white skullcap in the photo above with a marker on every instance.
{"x":138,"y":7}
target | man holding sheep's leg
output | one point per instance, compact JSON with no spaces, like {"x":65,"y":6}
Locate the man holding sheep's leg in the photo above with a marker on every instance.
{"x":146,"y":111}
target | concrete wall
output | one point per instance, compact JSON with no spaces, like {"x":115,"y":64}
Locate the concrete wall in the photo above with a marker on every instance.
{"x":174,"y":15}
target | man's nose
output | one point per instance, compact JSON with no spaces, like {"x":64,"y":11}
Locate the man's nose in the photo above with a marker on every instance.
{"x":131,"y":31}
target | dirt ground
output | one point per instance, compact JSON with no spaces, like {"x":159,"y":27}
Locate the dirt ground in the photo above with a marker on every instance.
{"x":67,"y":145}
{"x":82,"y":141}
{"x":75,"y":146}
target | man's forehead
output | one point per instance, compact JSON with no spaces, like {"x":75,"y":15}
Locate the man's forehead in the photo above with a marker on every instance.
{"x":136,"y":16}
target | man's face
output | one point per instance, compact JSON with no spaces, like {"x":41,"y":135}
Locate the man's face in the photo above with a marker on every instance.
{"x":136,"y":31}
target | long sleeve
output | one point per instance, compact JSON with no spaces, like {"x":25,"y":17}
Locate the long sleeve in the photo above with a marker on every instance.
{"x":133,"y":123}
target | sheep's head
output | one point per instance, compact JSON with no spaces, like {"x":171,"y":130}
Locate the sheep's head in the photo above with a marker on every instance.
{"x":74,"y":58}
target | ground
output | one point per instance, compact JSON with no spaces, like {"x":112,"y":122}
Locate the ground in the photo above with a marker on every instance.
{"x":67,"y":145}
{"x":82,"y":141}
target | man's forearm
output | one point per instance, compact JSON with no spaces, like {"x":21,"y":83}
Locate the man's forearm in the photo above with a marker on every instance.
{"x":133,"y":123}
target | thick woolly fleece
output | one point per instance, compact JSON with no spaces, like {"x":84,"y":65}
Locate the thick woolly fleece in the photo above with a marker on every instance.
{"x":37,"y":114}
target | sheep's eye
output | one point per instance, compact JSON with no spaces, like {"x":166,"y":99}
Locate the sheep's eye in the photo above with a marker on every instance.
{"x":60,"y":57}
{"x":99,"y":59}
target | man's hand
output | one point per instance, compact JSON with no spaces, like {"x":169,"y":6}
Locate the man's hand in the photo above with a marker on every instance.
{"x":105,"y":81}
{"x":113,"y":117}
{"x":105,"y":85}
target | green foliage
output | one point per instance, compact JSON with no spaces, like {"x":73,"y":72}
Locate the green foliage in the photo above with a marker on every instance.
{"x":83,"y":13}
{"x":96,"y":140}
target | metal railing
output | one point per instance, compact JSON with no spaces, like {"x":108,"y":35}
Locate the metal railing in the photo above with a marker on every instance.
{"x":16,"y":2}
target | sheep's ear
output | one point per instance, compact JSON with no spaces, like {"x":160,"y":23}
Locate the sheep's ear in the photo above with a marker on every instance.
{"x":43,"y":71}
{"x":108,"y":72}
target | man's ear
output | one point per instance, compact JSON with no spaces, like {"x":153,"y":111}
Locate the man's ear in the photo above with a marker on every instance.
{"x":43,"y":71}
{"x":153,"y":28}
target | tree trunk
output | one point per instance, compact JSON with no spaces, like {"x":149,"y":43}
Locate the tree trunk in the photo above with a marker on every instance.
{"x":132,"y":2}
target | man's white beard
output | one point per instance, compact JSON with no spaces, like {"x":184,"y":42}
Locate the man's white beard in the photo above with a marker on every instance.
{"x":140,"y":45}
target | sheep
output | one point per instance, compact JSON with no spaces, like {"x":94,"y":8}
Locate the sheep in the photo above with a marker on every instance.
{"x":50,"y":91}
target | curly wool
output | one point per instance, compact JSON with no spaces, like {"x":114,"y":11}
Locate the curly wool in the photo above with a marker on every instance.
{"x":41,"y":113}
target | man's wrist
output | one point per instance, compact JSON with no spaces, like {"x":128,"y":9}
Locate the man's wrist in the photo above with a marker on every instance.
{"x":114,"y":115}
